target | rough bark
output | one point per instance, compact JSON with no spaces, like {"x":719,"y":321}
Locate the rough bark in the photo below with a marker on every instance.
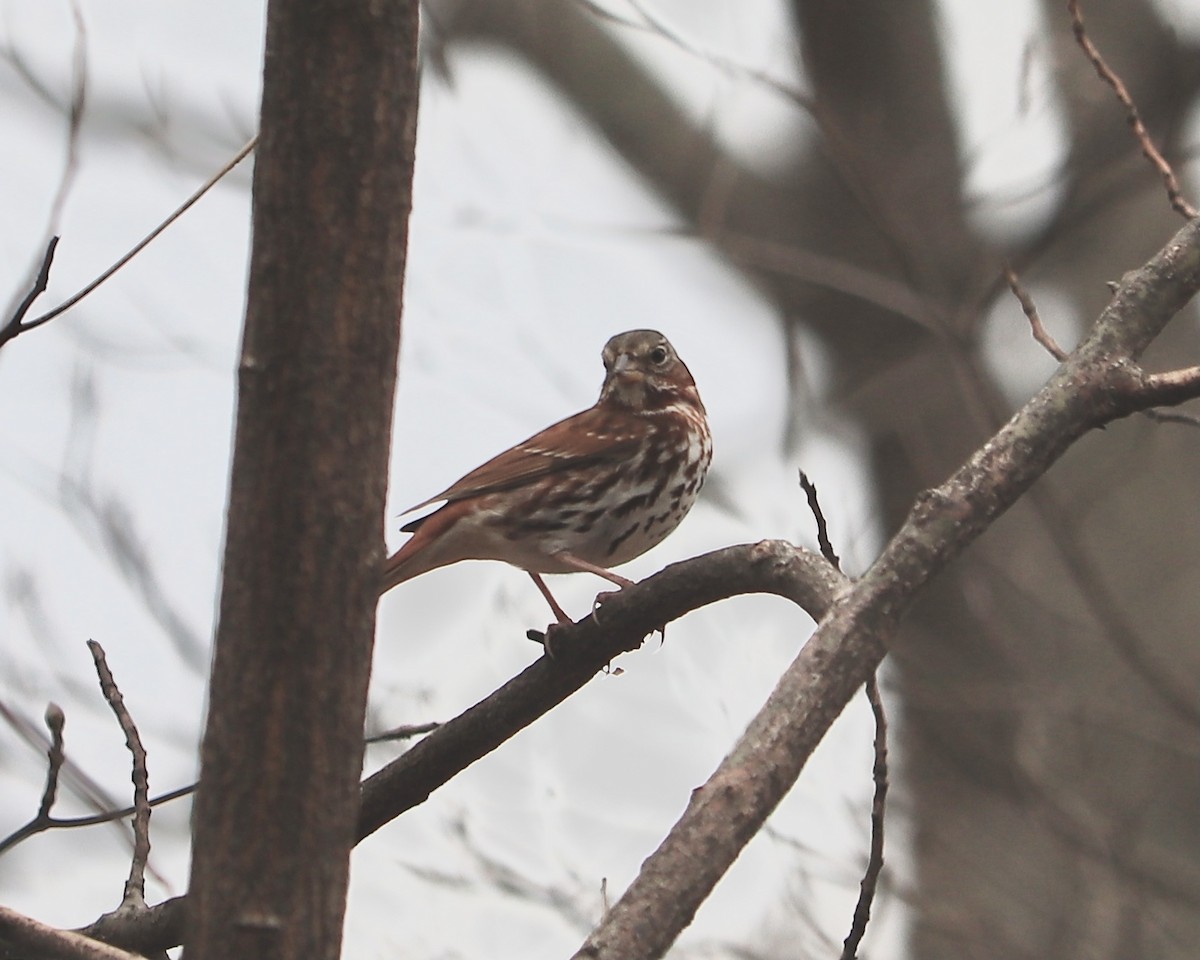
{"x":276,"y":811}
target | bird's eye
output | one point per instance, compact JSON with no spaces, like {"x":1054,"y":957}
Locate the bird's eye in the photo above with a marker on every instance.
{"x":658,"y":356}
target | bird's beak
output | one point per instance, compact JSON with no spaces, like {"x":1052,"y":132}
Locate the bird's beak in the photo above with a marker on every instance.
{"x":623,"y":366}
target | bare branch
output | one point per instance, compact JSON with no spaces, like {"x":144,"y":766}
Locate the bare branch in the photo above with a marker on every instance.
{"x":1172,"y":416}
{"x":585,"y":648}
{"x":810,"y":491}
{"x":850,"y":642}
{"x":71,"y":776}
{"x":107,"y":816}
{"x":55,"y":757}
{"x":148,"y":238}
{"x":1166,"y":390}
{"x":832,"y":273}
{"x":1174,"y":192}
{"x":656,"y":26}
{"x":1170,"y":388}
{"x":55,"y":720}
{"x":403,"y":732}
{"x":1040,"y":333}
{"x":16,"y":325}
{"x":135,"y":887}
{"x":151,"y":930}
{"x":879,"y":774}
{"x":74,"y":116}
{"x":30,"y":934}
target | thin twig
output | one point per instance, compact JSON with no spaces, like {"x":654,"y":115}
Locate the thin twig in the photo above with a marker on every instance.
{"x":1169,"y":388}
{"x":16,"y":326}
{"x":43,"y":823}
{"x":55,"y":720}
{"x":879,"y":773}
{"x":810,"y":491}
{"x":55,"y":757}
{"x":1040,"y":333}
{"x":1172,"y":386}
{"x":135,"y":886}
{"x":107,"y":816}
{"x":71,"y":776}
{"x":832,"y":273}
{"x":146,"y":240}
{"x":46,"y":822}
{"x":656,"y":26}
{"x":75,"y":113}
{"x":403,"y":732}
{"x":1172,"y":416}
{"x":1149,"y":150}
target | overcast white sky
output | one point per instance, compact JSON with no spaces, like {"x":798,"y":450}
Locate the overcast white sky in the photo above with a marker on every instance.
{"x":529,"y":249}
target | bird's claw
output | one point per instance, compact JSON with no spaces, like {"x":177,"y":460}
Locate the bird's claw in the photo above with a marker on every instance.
{"x":601,"y":597}
{"x":546,"y":637}
{"x":605,"y":595}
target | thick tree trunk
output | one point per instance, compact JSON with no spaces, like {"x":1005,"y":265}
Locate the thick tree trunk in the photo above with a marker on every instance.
{"x":277,"y":809}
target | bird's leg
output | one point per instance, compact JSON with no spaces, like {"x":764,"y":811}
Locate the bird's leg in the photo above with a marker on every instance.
{"x":558,"y":611}
{"x":580,"y":564}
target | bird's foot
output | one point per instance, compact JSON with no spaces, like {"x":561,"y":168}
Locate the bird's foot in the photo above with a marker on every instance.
{"x":546,"y":637}
{"x":605,"y":595}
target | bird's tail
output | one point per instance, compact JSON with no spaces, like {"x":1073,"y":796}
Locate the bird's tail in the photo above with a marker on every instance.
{"x":425,"y":550}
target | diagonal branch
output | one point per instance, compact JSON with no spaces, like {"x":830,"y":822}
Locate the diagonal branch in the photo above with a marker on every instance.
{"x":585,"y":648}
{"x":16,"y":323}
{"x":850,"y":642}
{"x":135,"y":887}
{"x":1174,"y":192}
{"x":582,"y":650}
{"x":1170,"y":388}
{"x":27,"y":934}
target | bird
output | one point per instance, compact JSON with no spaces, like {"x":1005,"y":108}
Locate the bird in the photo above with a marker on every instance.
{"x":588,"y":493}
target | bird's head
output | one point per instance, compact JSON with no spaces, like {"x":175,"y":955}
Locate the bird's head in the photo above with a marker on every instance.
{"x":643,"y":371}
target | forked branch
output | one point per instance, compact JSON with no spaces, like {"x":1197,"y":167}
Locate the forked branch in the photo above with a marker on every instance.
{"x":1098,"y":383}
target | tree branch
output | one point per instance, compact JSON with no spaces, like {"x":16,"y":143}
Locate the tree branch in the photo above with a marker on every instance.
{"x":134,"y":899}
{"x":1174,"y":192}
{"x":583,"y":649}
{"x":16,"y":324}
{"x":28,"y":934}
{"x":1029,"y":308}
{"x":55,"y":758}
{"x":1170,"y":388}
{"x":879,"y":775}
{"x":851,"y":641}
{"x":152,"y":930}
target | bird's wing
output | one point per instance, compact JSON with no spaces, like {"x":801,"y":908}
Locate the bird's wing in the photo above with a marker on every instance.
{"x":581,"y":440}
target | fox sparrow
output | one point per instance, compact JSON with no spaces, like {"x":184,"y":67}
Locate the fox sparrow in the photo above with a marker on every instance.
{"x":587,"y":493}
